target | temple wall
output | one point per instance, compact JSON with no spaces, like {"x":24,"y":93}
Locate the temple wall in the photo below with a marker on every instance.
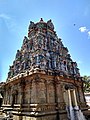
{"x":41,"y":90}
{"x":40,"y":93}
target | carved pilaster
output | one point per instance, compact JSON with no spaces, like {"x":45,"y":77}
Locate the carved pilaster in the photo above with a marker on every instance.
{"x":22,"y":86}
{"x":50,"y":91}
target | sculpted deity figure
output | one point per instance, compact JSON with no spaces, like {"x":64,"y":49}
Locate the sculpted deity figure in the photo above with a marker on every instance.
{"x":18,"y":55}
{"x":48,"y":55}
{"x":75,"y":69}
{"x":74,"y":65}
{"x":63,"y":65}
{"x":25,"y":40}
{"x":69,"y":67}
{"x":11,"y":73}
{"x":45,"y":43}
{"x":50,"y":24}
{"x":31,"y":26}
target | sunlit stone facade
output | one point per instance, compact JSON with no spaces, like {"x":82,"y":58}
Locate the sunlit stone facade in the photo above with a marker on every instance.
{"x":43,"y":81}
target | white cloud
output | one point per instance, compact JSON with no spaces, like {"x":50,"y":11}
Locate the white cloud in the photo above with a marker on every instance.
{"x":83,"y":29}
{"x":4,"y":16}
{"x":88,"y":33}
{"x":10,"y":23}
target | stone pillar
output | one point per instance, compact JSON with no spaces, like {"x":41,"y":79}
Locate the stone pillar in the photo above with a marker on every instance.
{"x":75,"y":99}
{"x":34,"y":92}
{"x":81,"y":95}
{"x":50,"y":92}
{"x":30,"y":90}
{"x":21,"y":91}
{"x":60,"y":92}
{"x":41,"y":96}
{"x":71,"y":112}
{"x":69,"y":95}
{"x":4,"y":97}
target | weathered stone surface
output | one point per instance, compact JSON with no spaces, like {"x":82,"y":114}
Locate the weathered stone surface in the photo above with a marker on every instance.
{"x":42,"y":78}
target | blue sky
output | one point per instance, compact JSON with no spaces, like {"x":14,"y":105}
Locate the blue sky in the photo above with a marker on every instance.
{"x":71,"y":20}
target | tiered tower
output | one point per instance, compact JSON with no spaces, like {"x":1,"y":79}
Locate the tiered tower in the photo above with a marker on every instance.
{"x":43,"y":50}
{"x":43,"y":81}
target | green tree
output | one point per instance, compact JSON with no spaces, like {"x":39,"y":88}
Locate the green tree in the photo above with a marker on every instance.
{"x":86,"y":84}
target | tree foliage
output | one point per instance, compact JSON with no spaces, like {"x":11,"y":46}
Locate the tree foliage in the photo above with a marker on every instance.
{"x":86,"y":85}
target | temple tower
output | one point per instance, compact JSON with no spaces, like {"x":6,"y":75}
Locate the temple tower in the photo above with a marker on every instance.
{"x":43,"y":81}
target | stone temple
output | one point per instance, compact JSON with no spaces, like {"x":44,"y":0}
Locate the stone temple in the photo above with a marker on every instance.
{"x":43,"y":82}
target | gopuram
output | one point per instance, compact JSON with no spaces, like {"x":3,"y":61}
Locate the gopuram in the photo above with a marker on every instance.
{"x":43,"y":82}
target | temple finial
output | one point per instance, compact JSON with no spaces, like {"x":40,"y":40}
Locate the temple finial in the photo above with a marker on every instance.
{"x":41,"y":19}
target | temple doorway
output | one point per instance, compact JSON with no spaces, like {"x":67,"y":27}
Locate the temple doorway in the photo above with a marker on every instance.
{"x":71,"y":102}
{"x":70,"y":97}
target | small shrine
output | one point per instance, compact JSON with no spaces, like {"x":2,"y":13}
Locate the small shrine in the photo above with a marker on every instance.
{"x":43,"y":82}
